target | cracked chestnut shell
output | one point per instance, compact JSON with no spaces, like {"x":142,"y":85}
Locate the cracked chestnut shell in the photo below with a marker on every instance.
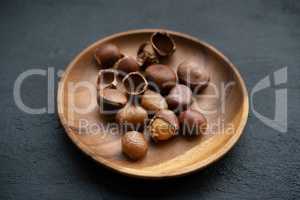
{"x":192,"y":122}
{"x":134,"y":145}
{"x":146,"y":55}
{"x":194,"y":75}
{"x":163,"y":43}
{"x":179,"y":98}
{"x":132,"y":117}
{"x":162,"y":76}
{"x":127,"y":64}
{"x":163,"y":126}
{"x":107,"y":55}
{"x":135,"y":83}
{"x":110,"y":97}
{"x":153,"y":101}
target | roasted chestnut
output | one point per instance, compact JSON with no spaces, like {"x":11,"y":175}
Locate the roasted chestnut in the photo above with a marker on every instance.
{"x":153,"y":101}
{"x":146,"y":55}
{"x":179,"y":98}
{"x":164,"y":125}
{"x":132,"y":117}
{"x":194,"y":75}
{"x":107,"y":54}
{"x":192,"y":122}
{"x":111,"y":99}
{"x":127,"y":64}
{"x":135,"y":83}
{"x":163,"y":43}
{"x":161,"y":76}
{"x":134,"y":145}
{"x":107,"y":77}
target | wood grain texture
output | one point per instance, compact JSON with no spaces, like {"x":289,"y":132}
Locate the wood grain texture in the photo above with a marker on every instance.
{"x":180,"y":155}
{"x":38,"y":161}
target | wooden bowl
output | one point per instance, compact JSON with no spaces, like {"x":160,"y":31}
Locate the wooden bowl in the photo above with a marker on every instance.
{"x":226,"y":116}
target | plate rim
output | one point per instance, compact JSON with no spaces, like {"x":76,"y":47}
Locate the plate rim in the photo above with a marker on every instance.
{"x":134,"y":172}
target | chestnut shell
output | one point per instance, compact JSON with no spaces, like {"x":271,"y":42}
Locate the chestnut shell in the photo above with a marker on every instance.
{"x":134,"y":145}
{"x":192,"y":122}
{"x":153,"y":101}
{"x":194,"y":75}
{"x":163,"y":43}
{"x":127,"y":64}
{"x":161,"y":76}
{"x":179,"y":98}
{"x":107,"y":55}
{"x":146,"y":55}
{"x":164,"y":125}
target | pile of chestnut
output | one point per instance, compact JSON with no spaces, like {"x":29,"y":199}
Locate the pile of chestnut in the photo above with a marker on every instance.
{"x":145,"y":96}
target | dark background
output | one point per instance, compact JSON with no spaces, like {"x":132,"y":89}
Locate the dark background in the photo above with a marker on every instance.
{"x":38,"y":161}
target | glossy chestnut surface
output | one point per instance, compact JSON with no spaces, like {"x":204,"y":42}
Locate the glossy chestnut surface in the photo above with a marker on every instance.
{"x":177,"y":156}
{"x":162,"y":76}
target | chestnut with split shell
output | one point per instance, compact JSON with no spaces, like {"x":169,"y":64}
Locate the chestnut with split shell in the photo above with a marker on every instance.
{"x":161,"y":76}
{"x":134,"y":145}
{"x":163,"y":43}
{"x":163,"y":126}
{"x":109,"y":96}
{"x":192,"y":122}
{"x":194,"y":75}
{"x":107,"y":77}
{"x":135,"y":83}
{"x":127,"y":64}
{"x":179,"y":98}
{"x":153,"y":101}
{"x":146,"y":55}
{"x":107,"y":55}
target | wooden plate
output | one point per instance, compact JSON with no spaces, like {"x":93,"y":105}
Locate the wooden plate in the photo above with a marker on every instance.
{"x":225,"y":104}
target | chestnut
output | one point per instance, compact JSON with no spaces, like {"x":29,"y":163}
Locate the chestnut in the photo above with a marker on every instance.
{"x":127,"y":64}
{"x":153,"y":101}
{"x":111,"y":99}
{"x":179,"y":98}
{"x":107,"y":54}
{"x":107,"y":77}
{"x":193,"y":75}
{"x":163,"y":43}
{"x":163,"y":126}
{"x":134,"y":145}
{"x":132,"y":117}
{"x":162,"y":76}
{"x":146,"y":55}
{"x":192,"y":122}
{"x":135,"y":83}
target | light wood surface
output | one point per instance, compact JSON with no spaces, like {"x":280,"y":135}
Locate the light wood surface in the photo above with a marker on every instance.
{"x":180,"y":155}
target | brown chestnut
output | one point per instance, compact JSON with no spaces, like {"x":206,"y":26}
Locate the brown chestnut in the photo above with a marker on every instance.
{"x":111,"y":99}
{"x":163,"y":43}
{"x":153,"y":101}
{"x":107,"y":77}
{"x":134,"y":145}
{"x":132,"y":117}
{"x":127,"y":64}
{"x":164,"y":125}
{"x":146,"y":55}
{"x":135,"y":83}
{"x":161,"y":76}
{"x":107,"y":54}
{"x":179,"y":98}
{"x":192,"y":122}
{"x":193,"y":74}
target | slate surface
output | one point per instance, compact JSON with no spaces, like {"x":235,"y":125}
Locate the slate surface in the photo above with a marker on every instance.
{"x":37,"y":160}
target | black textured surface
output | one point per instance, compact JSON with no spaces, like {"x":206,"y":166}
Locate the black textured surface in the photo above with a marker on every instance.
{"x":37,"y":160}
